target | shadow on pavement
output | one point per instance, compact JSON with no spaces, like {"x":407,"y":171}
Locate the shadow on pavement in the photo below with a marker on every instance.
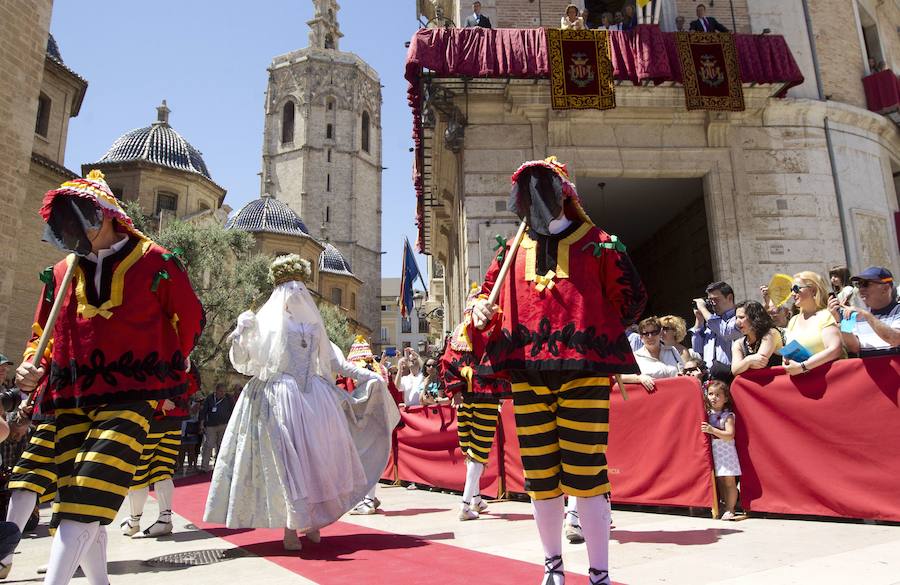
{"x":679,"y":537}
{"x":413,"y":511}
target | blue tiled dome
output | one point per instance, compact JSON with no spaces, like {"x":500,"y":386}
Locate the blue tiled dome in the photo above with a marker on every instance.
{"x":331,"y":260}
{"x":268,"y":215}
{"x":53,"y":48}
{"x":159,"y":144}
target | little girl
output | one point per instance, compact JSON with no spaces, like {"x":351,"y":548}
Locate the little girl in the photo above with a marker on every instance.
{"x":721,"y":426}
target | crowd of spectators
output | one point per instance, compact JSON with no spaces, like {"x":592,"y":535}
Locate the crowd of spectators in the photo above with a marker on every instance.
{"x":626,"y":19}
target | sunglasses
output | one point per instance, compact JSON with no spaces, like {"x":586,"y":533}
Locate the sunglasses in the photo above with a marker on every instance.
{"x":798,"y":287}
{"x":429,"y":365}
{"x":867,"y":283}
{"x":653,"y":333}
{"x":691,"y":370}
{"x":667,"y":329}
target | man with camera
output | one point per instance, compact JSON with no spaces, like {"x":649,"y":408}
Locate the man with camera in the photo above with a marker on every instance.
{"x":714,"y":329}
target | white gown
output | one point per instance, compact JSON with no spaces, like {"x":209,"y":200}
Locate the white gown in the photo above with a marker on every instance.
{"x":299,"y":452}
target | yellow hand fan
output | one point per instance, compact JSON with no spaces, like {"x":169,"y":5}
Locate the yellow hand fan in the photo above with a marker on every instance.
{"x":780,"y":289}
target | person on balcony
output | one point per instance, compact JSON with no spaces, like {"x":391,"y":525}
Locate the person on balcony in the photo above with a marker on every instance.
{"x":629,"y":17}
{"x":706,"y":23}
{"x":714,"y":329}
{"x":758,"y":347}
{"x":571,"y":20}
{"x":606,"y":22}
{"x":674,"y":330}
{"x":477,"y":18}
{"x":655,"y":359}
{"x":877,"y":327}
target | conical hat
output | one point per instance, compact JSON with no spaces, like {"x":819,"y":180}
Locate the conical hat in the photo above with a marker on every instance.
{"x":570,"y":194}
{"x":360,"y":350}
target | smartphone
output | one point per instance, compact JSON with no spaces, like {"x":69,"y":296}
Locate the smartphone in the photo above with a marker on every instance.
{"x":390,"y":352}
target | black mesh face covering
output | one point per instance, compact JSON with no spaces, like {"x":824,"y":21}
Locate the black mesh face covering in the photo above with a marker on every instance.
{"x":537,"y":197}
{"x":70,"y":218}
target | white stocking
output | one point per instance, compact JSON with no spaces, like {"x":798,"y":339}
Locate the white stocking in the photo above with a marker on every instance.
{"x":474,"y":470}
{"x":21,"y":506}
{"x":70,"y":543}
{"x":572,"y":511}
{"x":548,"y":515}
{"x":595,"y":513}
{"x":93,"y":563}
{"x":165,"y":489}
{"x":137,"y":498}
{"x":371,"y":493}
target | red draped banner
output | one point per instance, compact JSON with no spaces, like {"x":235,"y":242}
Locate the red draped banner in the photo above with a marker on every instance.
{"x":580,"y":70}
{"x":826,"y":443}
{"x":711,"y":75}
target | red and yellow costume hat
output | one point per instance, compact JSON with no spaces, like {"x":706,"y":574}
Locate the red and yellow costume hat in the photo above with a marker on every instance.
{"x":360,"y":351}
{"x":570,"y":194}
{"x":94,"y":189}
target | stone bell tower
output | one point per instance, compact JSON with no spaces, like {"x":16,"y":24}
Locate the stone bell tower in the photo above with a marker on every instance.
{"x":322,"y":149}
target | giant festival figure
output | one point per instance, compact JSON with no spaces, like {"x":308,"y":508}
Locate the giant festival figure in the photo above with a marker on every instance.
{"x":557,"y":332}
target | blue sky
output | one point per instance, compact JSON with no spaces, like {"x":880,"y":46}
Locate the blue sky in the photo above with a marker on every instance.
{"x":208,"y":59}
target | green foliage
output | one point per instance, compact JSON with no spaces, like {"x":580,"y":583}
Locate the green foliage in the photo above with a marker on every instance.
{"x":337,"y":326}
{"x":225,"y":274}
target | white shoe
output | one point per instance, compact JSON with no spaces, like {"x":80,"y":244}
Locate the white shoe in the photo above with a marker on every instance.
{"x":291,"y":540}
{"x":314,"y":536}
{"x":367,"y":507}
{"x":480,"y":506}
{"x":727,"y":515}
{"x":412,"y":486}
{"x":131,"y":526}
{"x":574,"y":533}
{"x":467,"y":513}
{"x":4,"y":570}
{"x":158,"y":528}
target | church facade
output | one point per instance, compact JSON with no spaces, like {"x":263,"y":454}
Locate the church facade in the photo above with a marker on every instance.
{"x":322,"y":149}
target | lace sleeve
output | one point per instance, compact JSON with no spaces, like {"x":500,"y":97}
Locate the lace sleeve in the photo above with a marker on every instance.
{"x":244,"y":339}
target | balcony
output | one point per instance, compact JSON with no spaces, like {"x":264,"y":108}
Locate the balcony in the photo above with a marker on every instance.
{"x":445,"y":67}
{"x":883,"y":94}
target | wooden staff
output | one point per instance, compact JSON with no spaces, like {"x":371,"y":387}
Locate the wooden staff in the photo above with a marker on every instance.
{"x":507,"y":263}
{"x":51,"y":322}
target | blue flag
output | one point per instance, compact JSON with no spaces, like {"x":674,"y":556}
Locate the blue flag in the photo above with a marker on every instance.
{"x":410,"y":273}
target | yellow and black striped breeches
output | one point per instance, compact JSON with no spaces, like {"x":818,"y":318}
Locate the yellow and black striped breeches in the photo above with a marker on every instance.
{"x":36,"y":469}
{"x":160,"y":453}
{"x":476,"y":425}
{"x":562,"y":421}
{"x":97,"y":452}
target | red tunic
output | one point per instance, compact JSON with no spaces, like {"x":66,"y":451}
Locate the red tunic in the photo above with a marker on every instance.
{"x":564,"y":307}
{"x":125,"y":343}
{"x":457,"y":371}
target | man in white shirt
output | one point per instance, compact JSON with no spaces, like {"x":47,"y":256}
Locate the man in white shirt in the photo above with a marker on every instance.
{"x":878,"y":326}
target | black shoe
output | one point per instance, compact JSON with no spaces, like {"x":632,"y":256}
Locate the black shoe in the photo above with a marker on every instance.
{"x":553,"y":566}
{"x":598,"y":577}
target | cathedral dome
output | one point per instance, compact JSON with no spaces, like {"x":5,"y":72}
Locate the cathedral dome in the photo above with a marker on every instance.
{"x":159,"y":144}
{"x":331,"y":260}
{"x":268,"y":215}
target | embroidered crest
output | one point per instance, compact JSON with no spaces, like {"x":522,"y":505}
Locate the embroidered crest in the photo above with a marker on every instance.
{"x":710,"y":72}
{"x":580,"y":70}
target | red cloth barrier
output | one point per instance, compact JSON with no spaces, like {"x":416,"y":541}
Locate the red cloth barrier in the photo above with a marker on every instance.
{"x":428,"y":452}
{"x":826,"y":443}
{"x":882,"y":91}
{"x":657,"y":455}
{"x":644,"y":54}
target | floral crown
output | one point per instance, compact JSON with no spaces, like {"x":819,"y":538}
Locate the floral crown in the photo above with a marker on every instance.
{"x":288,"y":268}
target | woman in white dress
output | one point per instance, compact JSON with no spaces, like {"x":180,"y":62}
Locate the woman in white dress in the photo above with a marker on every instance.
{"x":298,"y":452}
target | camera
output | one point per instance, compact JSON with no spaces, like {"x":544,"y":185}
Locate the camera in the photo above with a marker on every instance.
{"x":10,"y":399}
{"x":706,"y":304}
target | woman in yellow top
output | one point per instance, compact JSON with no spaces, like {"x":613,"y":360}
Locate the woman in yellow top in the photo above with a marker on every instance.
{"x":571,"y":19}
{"x":813,"y":327}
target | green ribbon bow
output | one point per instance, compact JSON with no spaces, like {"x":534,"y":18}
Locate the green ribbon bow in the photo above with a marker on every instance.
{"x":46,"y":277}
{"x":161,"y":275}
{"x":501,"y":246}
{"x":176,"y":254}
{"x":614,"y":243}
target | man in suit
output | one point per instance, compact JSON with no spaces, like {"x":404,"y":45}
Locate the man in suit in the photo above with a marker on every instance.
{"x":477,"y":18}
{"x":706,"y":23}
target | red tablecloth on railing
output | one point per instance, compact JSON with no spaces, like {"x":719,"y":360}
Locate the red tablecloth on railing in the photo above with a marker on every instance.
{"x":825,"y":443}
{"x":882,"y":91}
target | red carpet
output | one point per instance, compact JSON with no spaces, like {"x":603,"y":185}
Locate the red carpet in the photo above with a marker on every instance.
{"x":377,"y":557}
